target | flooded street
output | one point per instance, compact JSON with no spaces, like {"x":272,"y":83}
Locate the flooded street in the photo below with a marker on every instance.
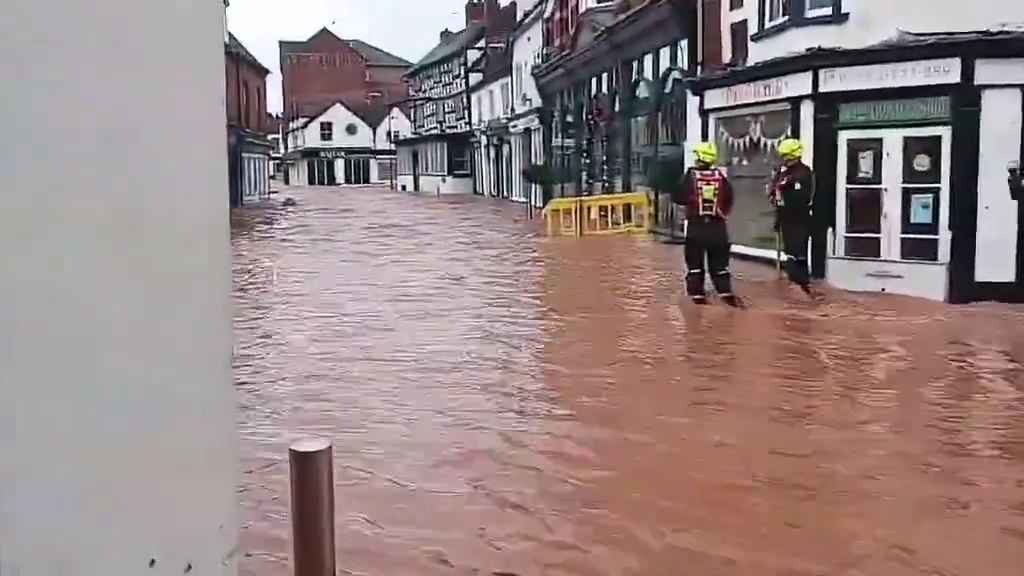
{"x":506,"y":404}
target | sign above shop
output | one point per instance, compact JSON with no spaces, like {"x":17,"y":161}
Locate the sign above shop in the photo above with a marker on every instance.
{"x":781,"y":88}
{"x":891,"y":75}
{"x":332,"y":154}
{"x":912,"y":111}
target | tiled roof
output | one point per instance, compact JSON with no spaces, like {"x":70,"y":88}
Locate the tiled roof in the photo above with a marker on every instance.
{"x":451,"y":45}
{"x":374,"y":55}
{"x":236,"y":48}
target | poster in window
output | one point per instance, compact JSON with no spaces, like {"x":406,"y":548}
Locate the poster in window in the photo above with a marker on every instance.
{"x":866,"y":164}
{"x":922,"y":209}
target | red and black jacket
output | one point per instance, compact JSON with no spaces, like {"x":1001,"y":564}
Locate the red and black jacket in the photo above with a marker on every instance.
{"x":704,"y":193}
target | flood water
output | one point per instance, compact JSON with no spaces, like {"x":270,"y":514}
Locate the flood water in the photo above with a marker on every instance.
{"x":506,"y":404}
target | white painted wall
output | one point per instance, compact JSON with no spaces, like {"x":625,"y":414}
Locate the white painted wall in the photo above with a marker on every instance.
{"x":922,"y":280}
{"x":440,"y":185}
{"x":872,"y":21}
{"x":399,"y":122}
{"x":341,"y":117}
{"x":526,"y":52}
{"x":117,"y":415}
{"x":996,"y":257}
{"x":483,"y":94}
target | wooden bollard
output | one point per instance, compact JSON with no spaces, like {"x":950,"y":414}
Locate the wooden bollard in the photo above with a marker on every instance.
{"x":311,"y":462}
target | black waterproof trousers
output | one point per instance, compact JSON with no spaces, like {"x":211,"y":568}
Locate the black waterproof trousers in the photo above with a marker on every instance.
{"x":707,"y":251}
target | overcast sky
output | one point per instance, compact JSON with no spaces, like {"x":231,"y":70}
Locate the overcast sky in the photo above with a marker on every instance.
{"x":407,"y":28}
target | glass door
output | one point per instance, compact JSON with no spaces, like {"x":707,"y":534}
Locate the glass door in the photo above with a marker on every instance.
{"x":893,"y":194}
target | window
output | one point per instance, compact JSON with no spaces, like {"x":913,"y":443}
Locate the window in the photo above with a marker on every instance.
{"x":326,"y":131}
{"x":243,"y":115}
{"x":506,"y":99}
{"x":460,"y":160}
{"x":740,"y":41}
{"x":519,"y":77}
{"x":490,"y":104}
{"x":777,"y":11}
{"x":820,"y":7}
{"x":735,"y":4}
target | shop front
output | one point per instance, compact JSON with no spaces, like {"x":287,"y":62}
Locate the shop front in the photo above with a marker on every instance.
{"x":912,"y":145}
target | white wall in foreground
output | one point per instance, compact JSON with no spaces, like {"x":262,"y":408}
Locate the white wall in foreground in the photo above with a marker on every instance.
{"x":117,"y":424}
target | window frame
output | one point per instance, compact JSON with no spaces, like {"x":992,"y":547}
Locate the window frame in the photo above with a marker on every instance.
{"x":782,"y":19}
{"x":800,"y":15}
{"x":327,"y":127}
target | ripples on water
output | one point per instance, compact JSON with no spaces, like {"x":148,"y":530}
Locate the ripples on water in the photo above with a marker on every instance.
{"x":502,"y":403}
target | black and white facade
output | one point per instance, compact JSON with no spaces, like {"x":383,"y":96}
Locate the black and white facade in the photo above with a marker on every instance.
{"x":436,"y":158}
{"x":911,"y":135}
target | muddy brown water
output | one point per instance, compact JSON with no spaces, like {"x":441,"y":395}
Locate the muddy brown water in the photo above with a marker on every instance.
{"x":502,"y":403}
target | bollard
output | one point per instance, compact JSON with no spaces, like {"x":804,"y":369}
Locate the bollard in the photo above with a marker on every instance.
{"x":311,"y":462}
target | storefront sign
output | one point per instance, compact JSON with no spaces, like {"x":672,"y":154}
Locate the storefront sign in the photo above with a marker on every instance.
{"x":332,"y":154}
{"x":893,"y":75}
{"x":895,"y":112}
{"x":780,"y":88}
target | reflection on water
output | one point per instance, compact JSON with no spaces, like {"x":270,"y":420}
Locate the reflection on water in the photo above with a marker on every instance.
{"x":503,"y":403}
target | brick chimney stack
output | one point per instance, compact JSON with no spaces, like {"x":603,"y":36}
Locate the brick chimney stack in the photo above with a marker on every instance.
{"x":481,"y":11}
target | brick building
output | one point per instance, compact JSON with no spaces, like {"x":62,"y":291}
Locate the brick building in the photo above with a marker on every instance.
{"x":325,"y":69}
{"x":246,"y":102}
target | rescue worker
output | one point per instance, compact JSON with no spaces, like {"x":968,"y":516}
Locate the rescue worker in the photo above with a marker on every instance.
{"x":792,"y":195}
{"x":707,"y":197}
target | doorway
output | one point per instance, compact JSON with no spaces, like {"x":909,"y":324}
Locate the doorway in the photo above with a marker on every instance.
{"x":893,"y":195}
{"x":415,"y":170}
{"x":357,"y":171}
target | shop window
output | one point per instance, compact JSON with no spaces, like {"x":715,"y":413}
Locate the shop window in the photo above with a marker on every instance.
{"x":747,"y":144}
{"x":460,"y":160}
{"x":864,"y":211}
{"x":921,"y":197}
{"x":326,"y":131}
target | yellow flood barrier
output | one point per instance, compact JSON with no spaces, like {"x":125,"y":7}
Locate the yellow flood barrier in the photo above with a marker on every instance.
{"x":605,"y":214}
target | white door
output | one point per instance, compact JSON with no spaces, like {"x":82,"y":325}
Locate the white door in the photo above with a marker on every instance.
{"x":893,"y":194}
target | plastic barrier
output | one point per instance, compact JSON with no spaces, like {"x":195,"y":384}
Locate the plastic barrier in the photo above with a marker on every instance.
{"x":605,"y":214}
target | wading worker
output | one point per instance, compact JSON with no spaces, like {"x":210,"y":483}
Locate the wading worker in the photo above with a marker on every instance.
{"x":792,"y":195}
{"x":707,"y":197}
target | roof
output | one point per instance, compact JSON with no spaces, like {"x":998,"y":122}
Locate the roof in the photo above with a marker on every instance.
{"x":374,"y":56}
{"x":377,"y":57}
{"x":371,"y":114}
{"x":236,"y":48}
{"x":497,"y":64}
{"x":451,"y":45}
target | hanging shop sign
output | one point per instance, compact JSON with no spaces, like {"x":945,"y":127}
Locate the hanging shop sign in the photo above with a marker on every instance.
{"x":781,"y":88}
{"x":891,"y":75}
{"x":911,"y":111}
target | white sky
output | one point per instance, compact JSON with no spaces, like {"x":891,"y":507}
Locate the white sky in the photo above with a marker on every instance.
{"x":406,"y":28}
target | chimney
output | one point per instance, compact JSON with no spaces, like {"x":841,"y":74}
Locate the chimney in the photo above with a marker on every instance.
{"x":481,"y":11}
{"x":446,"y":34}
{"x":475,"y":12}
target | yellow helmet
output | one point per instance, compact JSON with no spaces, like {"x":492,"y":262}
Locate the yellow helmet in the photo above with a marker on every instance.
{"x":706,"y":152}
{"x":791,"y":149}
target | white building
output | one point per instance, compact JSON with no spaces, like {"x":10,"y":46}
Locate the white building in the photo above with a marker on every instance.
{"x":910,"y":116}
{"x":525,"y":125}
{"x":119,"y":436}
{"x":490,"y":93}
{"x":346,"y":145}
